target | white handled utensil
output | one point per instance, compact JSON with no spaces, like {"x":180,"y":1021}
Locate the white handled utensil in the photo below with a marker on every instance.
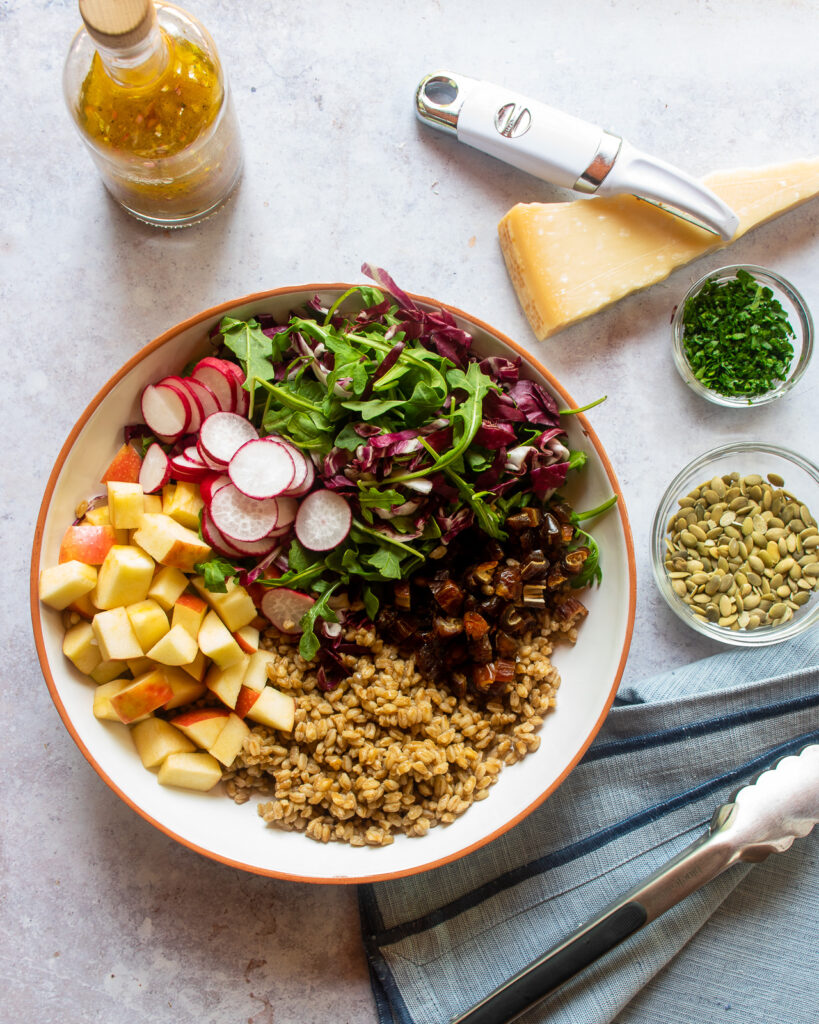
{"x":763,"y":818}
{"x":562,"y":149}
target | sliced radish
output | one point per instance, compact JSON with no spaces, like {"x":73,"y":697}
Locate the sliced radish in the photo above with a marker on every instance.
{"x":219,"y":375}
{"x":215,"y":465}
{"x":191,"y":453}
{"x":241,"y":518}
{"x":197,"y":413}
{"x":211,"y":484}
{"x":165,"y":411}
{"x":296,"y":491}
{"x":155,"y":471}
{"x":203,"y":394}
{"x":258,"y":548}
{"x":323,"y":520}
{"x":288,"y":507}
{"x":223,"y":434}
{"x":216,"y":539}
{"x":262,"y":468}
{"x":183,"y":468}
{"x":286,"y":608}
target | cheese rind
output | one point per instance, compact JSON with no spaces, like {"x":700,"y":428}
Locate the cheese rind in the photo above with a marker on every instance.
{"x":569,"y":260}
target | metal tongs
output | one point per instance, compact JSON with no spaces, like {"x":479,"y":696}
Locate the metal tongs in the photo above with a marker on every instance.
{"x":763,"y":818}
{"x":562,"y":149}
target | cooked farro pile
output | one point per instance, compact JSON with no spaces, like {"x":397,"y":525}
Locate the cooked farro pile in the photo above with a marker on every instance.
{"x":386,"y":753}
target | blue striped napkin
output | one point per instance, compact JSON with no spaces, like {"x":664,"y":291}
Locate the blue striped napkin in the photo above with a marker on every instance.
{"x":745,"y":948}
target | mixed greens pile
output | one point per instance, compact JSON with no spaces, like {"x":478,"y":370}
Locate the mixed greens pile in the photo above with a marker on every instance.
{"x":422,"y":436}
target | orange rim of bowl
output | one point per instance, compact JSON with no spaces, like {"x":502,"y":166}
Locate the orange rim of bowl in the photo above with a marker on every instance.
{"x":163,"y":339}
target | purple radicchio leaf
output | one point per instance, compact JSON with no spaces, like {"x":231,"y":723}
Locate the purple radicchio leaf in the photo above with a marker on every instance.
{"x":501,"y":369}
{"x":535,"y":403}
{"x":494,"y":434}
{"x":546,"y":479}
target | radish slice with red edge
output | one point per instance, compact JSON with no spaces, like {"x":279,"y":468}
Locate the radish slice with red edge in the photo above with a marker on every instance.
{"x":211,"y":484}
{"x":258,"y":548}
{"x":197,"y":413}
{"x":286,"y":608}
{"x":203,"y":394}
{"x":155,"y":470}
{"x":165,"y":411}
{"x":323,"y":520}
{"x":288,"y":507}
{"x":219,"y":376}
{"x":191,"y":453}
{"x":262,"y":468}
{"x":214,"y":464}
{"x":182,"y":468}
{"x":241,"y":518}
{"x":307,"y":483}
{"x":223,"y":434}
{"x":214,"y":537}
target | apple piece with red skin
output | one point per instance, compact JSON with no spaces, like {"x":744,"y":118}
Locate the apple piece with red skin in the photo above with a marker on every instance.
{"x":155,"y":739}
{"x":185,"y":688}
{"x":230,"y":741}
{"x":88,"y":544}
{"x":226,"y":683}
{"x":203,"y":725}
{"x":247,"y":638}
{"x":124,"y":466}
{"x":273,"y":709}
{"x":188,"y":612}
{"x":144,"y":695}
{"x":245,"y":701}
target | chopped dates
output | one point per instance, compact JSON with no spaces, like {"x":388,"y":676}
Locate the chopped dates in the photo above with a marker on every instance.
{"x":465,"y":619}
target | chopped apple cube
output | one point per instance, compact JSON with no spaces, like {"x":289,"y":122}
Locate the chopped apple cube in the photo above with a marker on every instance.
{"x":142,"y":696}
{"x":247,"y":638}
{"x":177,"y":647}
{"x":125,"y":466}
{"x":230,"y":741}
{"x":103,"y":708}
{"x":235,"y":608}
{"x":185,"y":688}
{"x":203,"y":725}
{"x":227,"y":682}
{"x":198,"y":771}
{"x":100,"y":516}
{"x":197,"y":668}
{"x":126,"y":504}
{"x":124,"y":577}
{"x":188,"y":612}
{"x":106,"y":671}
{"x":245,"y":701}
{"x":60,"y":585}
{"x":81,"y":647}
{"x":86,"y":543}
{"x":171,"y":543}
{"x":166,"y":586}
{"x":152,"y":503}
{"x":115,"y":636}
{"x":139,"y":666}
{"x":84,"y":607}
{"x":155,"y":739}
{"x":149,"y":622}
{"x":185,"y":504}
{"x":256,"y":676}
{"x":216,"y":642}
{"x":167,"y":497}
{"x":274,"y":709}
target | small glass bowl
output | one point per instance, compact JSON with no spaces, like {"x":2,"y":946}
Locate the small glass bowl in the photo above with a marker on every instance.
{"x":797,"y":312}
{"x":801,"y":479}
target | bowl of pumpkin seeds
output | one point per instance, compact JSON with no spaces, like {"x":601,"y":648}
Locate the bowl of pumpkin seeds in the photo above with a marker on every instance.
{"x":735,"y":544}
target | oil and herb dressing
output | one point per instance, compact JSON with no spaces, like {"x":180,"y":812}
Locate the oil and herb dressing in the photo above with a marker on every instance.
{"x":158,"y":119}
{"x":150,"y":99}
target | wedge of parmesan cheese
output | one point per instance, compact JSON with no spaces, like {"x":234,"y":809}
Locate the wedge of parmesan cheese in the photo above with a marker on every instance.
{"x":569,"y":260}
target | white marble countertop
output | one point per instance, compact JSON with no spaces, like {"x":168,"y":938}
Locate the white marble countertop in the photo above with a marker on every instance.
{"x":104,"y":918}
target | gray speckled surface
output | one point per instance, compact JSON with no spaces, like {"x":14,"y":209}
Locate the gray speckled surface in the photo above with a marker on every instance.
{"x":105,"y":920}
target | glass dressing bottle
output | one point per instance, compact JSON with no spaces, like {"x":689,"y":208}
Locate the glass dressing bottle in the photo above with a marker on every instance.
{"x":149,"y":97}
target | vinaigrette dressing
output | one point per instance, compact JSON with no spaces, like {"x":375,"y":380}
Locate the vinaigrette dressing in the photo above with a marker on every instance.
{"x":150,"y":100}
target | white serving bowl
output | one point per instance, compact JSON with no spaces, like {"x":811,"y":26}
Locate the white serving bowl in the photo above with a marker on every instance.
{"x":213,"y":824}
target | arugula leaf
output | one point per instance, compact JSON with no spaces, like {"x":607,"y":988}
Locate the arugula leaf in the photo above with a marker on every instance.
{"x":371,"y":602}
{"x":216,"y":572}
{"x":387,"y":562}
{"x":310,"y":643}
{"x":255,"y":350}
